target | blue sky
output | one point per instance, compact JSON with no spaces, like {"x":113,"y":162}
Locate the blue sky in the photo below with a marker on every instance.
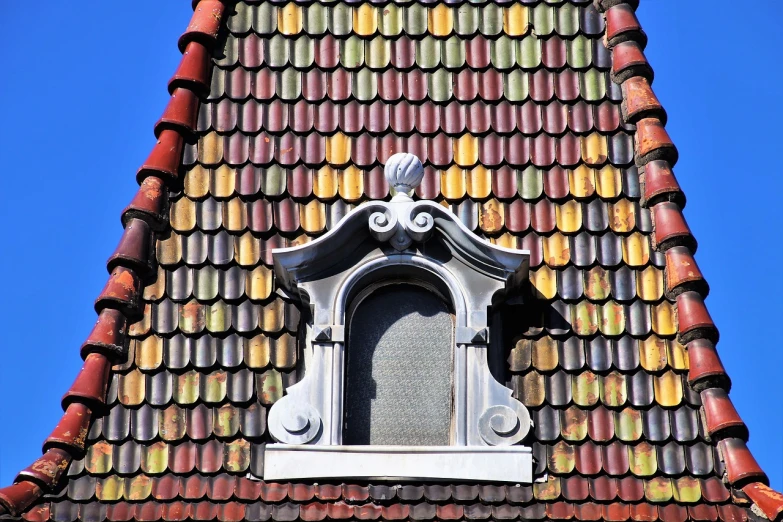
{"x":84,"y":85}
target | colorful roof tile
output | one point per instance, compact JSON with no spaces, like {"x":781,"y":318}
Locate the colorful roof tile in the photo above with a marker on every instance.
{"x":538,"y":127}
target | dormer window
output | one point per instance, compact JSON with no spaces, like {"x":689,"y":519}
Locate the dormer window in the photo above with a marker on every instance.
{"x":397,"y":300}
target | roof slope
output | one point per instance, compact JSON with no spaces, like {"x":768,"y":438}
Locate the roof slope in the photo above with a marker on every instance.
{"x":539,"y":129}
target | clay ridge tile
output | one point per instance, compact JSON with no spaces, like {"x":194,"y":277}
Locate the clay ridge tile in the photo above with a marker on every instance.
{"x":120,"y":299}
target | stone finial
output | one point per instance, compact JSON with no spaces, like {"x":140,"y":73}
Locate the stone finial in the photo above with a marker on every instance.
{"x":404,"y":172}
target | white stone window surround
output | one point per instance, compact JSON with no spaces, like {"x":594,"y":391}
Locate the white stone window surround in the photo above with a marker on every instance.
{"x":375,"y":244}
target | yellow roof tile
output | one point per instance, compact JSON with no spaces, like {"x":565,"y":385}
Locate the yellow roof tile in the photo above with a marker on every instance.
{"x":594,"y":149}
{"x":573,"y":423}
{"x":247,"y":249}
{"x":569,"y":216}
{"x":213,"y":386}
{"x":664,"y":321}
{"x":479,"y":181}
{"x":196,"y":182}
{"x":210,"y":149}
{"x":652,"y":353}
{"x":544,"y":354}
{"x":272,"y":316}
{"x":505,"y":240}
{"x":687,"y":490}
{"x":668,"y":389}
{"x":338,"y":149}
{"x":149,"y":353}
{"x":235,"y":215}
{"x":222,"y":182}
{"x":597,"y":284}
{"x":532,"y":389}
{"x":143,"y":325}
{"x":622,"y":216}
{"x":365,"y":19}
{"x":131,"y":387}
{"x":171,"y":425}
{"x":325,"y":183}
{"x":658,"y":489}
{"x":351,"y":183}
{"x":453,"y":184}
{"x":548,"y":490}
{"x":649,"y":283}
{"x":466,"y":150}
{"x":557,"y":251}
{"x":440,"y":20}
{"x":157,"y":288}
{"x":677,"y":355}
{"x":257,"y":352}
{"x":284,"y":352}
{"x":236,"y":455}
{"x":608,"y":182}
{"x":516,"y":20}
{"x":258,"y":283}
{"x":169,"y":250}
{"x":183,"y":215}
{"x":289,"y":19}
{"x":581,"y":181}
{"x":491,"y":216}
{"x":636,"y":250}
{"x":585,"y":318}
{"x":544,"y":280}
{"x":218,"y":317}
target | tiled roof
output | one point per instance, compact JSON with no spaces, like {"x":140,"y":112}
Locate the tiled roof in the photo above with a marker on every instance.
{"x":539,"y":129}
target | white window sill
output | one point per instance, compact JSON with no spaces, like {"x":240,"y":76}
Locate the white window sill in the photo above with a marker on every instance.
{"x":512,"y":464}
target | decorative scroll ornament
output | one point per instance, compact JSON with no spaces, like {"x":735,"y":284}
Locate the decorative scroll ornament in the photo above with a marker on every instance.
{"x":294,"y":422}
{"x":402,"y":221}
{"x":502,"y":425}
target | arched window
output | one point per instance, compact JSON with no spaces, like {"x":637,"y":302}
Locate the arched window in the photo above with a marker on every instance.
{"x":397,"y":301}
{"x":398,"y":386}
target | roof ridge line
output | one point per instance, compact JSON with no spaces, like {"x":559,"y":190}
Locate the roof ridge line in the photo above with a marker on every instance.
{"x":119,"y":303}
{"x":655,"y":155}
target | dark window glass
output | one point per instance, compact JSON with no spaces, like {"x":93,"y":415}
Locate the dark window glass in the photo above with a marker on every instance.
{"x":398,"y":369}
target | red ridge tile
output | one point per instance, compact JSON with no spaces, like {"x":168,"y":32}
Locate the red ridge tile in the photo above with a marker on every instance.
{"x":194,"y":70}
{"x":720,"y":414}
{"x":741,"y":467}
{"x":622,"y":25}
{"x":165,"y":158}
{"x":705,"y":367}
{"x":767,"y":499}
{"x":107,"y":336}
{"x":670,"y":228}
{"x":628,"y":60}
{"x":48,"y":469}
{"x":660,"y":184}
{"x":71,"y":431}
{"x":18,"y":497}
{"x":134,"y":248}
{"x":603,"y":5}
{"x":694,"y":320}
{"x":122,"y":292}
{"x":149,"y":204}
{"x":204,"y":25}
{"x":39,"y":513}
{"x":682,"y":273}
{"x":653,"y":142}
{"x":181,"y":113}
{"x":91,"y":383}
{"x":639,"y":101}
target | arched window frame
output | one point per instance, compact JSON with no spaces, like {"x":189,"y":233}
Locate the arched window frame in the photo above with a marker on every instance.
{"x":377,"y":242}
